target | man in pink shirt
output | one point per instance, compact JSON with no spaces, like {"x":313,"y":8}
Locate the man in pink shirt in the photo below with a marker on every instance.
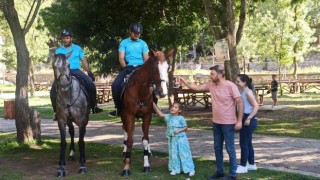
{"x":227,"y":112}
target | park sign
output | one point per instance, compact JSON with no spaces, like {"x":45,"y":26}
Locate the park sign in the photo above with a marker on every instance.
{"x":221,"y":50}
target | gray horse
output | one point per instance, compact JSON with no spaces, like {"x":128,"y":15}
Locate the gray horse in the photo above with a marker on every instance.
{"x":72,"y":107}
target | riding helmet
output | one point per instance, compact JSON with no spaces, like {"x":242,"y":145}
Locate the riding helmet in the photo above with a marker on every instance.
{"x":66,"y":32}
{"x":136,"y":28}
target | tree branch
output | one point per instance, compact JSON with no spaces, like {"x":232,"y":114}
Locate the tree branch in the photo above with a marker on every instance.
{"x":212,"y":19}
{"x":242,"y":19}
{"x":26,"y":22}
{"x":230,"y":17}
{"x":34,"y":15}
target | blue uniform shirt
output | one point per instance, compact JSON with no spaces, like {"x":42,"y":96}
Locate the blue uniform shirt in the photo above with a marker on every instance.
{"x":133,"y":51}
{"x":76,"y":56}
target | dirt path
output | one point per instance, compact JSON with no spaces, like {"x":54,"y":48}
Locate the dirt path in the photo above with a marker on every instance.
{"x":276,"y":153}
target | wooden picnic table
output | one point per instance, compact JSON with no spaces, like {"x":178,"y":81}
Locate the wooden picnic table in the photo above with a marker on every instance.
{"x":299,"y":85}
{"x":190,"y":98}
{"x":261,"y":90}
{"x":103,"y":92}
{"x":290,"y":85}
{"x":38,"y":86}
{"x":307,"y":84}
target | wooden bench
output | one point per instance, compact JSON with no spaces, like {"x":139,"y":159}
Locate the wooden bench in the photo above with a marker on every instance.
{"x":38,"y":86}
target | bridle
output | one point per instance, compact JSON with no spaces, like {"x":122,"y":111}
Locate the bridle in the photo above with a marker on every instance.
{"x":152,"y":83}
{"x":66,"y":87}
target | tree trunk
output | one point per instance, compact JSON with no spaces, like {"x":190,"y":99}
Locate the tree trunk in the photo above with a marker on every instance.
{"x":32,"y":88}
{"x":170,"y":78}
{"x":225,"y":28}
{"x":232,"y":43}
{"x":295,"y":65}
{"x":295,"y":46}
{"x":24,"y":129}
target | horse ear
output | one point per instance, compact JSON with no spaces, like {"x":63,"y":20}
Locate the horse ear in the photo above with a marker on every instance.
{"x":69,"y":54}
{"x":171,"y":52}
{"x":153,"y":53}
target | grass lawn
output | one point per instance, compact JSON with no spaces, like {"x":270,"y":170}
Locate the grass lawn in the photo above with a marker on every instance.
{"x":40,"y":161}
{"x":300,"y":118}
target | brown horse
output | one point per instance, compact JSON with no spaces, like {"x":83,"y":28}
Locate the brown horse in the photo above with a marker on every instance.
{"x":72,"y":107}
{"x":138,"y":103}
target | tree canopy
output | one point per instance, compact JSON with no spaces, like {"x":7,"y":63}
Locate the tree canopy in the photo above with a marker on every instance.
{"x":99,"y":26}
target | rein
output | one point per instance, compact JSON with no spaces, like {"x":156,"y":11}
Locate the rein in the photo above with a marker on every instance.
{"x":70,"y":87}
{"x":67,"y":85}
{"x":145,"y":84}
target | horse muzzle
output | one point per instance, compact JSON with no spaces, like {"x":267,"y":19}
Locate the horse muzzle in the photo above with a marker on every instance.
{"x":64,"y":82}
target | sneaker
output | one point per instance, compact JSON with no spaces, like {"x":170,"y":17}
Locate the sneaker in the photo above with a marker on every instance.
{"x":216,"y":176}
{"x":114,"y":113}
{"x":96,"y":109}
{"x":251,"y":167}
{"x":192,"y":173}
{"x":229,"y":178}
{"x":55,"y":117}
{"x":241,"y":169}
{"x":173,"y":173}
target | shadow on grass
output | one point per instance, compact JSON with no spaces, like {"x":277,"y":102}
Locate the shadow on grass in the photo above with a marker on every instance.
{"x":103,"y":162}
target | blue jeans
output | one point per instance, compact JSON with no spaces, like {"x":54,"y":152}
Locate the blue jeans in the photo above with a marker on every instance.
{"x":247,"y":152}
{"x":225,"y":132}
{"x":116,"y":86}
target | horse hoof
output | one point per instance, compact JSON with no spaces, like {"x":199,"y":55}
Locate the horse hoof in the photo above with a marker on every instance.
{"x":126,"y":172}
{"x":83,"y":170}
{"x":71,"y":158}
{"x":147,"y":169}
{"x":61,"y":173}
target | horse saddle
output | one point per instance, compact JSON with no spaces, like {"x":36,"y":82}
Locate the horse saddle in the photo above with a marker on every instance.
{"x":86,"y":89}
{"x":125,"y":83}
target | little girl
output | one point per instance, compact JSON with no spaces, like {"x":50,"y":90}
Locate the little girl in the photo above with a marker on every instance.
{"x":180,"y":158}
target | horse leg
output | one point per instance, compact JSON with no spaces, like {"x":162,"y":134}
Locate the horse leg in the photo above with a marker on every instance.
{"x":125,"y":134}
{"x":146,"y":146}
{"x":72,"y":149}
{"x":82,"y":159}
{"x":146,"y":155}
{"x":63,"y":145}
{"x":128,"y":128}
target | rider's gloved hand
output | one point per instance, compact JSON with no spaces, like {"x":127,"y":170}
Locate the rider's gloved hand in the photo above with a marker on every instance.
{"x":128,"y":69}
{"x":90,"y":74}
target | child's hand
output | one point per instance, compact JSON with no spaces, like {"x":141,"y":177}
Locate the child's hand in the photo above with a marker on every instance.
{"x":176,"y":132}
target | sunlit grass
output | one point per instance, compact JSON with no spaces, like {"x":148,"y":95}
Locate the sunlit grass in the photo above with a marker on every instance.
{"x":300,"y":118}
{"x":7,"y":88}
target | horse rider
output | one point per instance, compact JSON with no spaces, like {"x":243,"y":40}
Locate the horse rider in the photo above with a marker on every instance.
{"x":133,"y":52}
{"x":76,"y":56}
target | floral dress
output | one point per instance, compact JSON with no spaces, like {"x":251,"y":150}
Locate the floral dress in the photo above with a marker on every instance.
{"x":180,"y":157}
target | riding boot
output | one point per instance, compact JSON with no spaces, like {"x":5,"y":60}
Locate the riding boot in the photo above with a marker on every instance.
{"x":95,"y":108}
{"x":53,"y":98}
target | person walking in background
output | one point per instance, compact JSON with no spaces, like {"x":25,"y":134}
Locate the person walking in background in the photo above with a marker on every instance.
{"x":133,"y":52}
{"x":274,"y":90}
{"x":249,"y":123}
{"x":180,"y":158}
{"x":225,"y":97}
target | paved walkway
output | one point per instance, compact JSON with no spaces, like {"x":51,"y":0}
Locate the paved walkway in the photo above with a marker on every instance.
{"x":277,"y":153}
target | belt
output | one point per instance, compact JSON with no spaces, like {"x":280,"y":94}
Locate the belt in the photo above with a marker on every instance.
{"x":134,"y":65}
